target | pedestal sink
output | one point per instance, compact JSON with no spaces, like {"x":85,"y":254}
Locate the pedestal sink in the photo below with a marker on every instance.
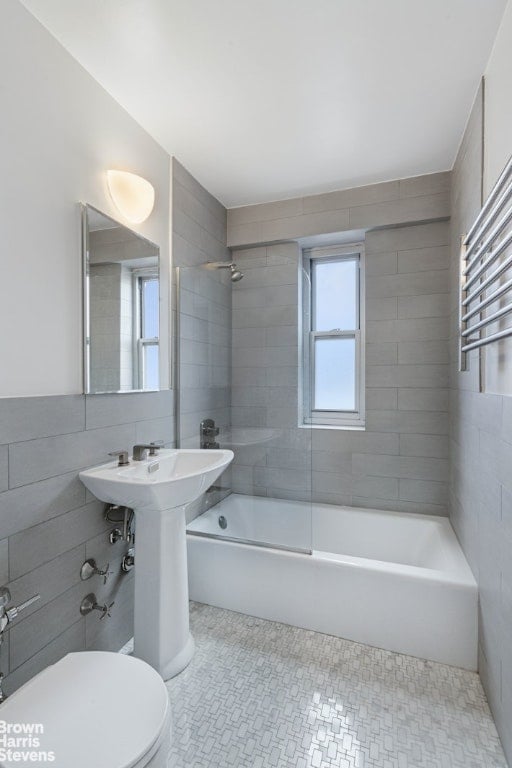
{"x":158,"y":489}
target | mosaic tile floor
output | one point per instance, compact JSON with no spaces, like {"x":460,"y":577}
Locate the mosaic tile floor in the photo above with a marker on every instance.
{"x":260,"y":694}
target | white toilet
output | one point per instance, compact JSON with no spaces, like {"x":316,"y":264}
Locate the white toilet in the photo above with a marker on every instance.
{"x":94,"y":710}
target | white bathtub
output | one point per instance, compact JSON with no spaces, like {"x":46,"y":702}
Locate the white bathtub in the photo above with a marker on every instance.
{"x":389,"y":579}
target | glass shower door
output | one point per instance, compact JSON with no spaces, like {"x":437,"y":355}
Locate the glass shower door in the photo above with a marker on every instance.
{"x":203,"y":407}
{"x":239,"y":366}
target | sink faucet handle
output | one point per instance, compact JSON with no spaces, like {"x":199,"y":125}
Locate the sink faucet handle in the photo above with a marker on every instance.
{"x":123,"y":457}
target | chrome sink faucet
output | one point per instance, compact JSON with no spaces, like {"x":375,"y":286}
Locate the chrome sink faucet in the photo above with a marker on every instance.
{"x":139,"y":450}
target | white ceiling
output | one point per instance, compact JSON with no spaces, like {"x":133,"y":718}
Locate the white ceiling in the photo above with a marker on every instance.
{"x":270,"y":99}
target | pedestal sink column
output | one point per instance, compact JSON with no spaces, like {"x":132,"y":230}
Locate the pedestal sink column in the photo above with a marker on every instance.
{"x":158,"y":491}
{"x":162,"y":635}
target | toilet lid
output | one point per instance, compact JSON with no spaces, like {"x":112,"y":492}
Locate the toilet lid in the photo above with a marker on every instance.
{"x":96,"y":709}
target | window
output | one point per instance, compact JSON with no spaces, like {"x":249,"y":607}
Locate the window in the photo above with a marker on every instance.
{"x":333,"y":344}
{"x":147,"y":327}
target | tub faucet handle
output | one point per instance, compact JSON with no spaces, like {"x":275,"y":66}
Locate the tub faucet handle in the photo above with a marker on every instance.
{"x":207,"y":434}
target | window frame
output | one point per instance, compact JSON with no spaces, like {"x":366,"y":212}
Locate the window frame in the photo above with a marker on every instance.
{"x":349,"y":419}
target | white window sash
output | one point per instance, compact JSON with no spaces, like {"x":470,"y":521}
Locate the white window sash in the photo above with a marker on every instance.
{"x":138,"y":276}
{"x":338,"y":418}
{"x":337,"y":334}
{"x":141,"y":346}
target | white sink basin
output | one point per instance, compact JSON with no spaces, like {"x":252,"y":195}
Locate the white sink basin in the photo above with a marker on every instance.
{"x":158,"y":490}
{"x":166,"y":481}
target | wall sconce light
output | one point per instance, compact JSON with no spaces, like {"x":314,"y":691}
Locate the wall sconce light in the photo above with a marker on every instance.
{"x":133,"y":196}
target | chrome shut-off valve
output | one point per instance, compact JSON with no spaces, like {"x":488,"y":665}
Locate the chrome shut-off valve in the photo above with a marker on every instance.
{"x":90,"y":569}
{"x":6,"y":616}
{"x":9,"y":614}
{"x":90,"y":604}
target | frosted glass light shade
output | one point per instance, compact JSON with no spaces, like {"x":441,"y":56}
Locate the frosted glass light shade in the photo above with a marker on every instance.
{"x":133,"y":196}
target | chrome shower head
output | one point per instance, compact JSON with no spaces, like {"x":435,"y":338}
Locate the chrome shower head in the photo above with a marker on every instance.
{"x":236,"y":275}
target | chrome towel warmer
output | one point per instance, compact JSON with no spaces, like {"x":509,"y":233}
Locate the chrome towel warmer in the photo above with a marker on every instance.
{"x":486,"y":271}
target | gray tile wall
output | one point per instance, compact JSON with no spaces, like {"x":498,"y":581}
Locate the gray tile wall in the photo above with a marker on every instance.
{"x":277,"y":458}
{"x":204,"y":375}
{"x":401,"y":460}
{"x":105,"y":326}
{"x":481,"y":463}
{"x":205,"y":351}
{"x":422,"y":198}
{"x":49,"y":523}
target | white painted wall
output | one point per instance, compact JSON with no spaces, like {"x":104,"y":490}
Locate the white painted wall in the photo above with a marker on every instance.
{"x":498,"y":103}
{"x":497,"y":358}
{"x":59,"y":133}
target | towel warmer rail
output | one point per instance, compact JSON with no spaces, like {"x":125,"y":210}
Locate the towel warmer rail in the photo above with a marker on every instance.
{"x":486,"y":258}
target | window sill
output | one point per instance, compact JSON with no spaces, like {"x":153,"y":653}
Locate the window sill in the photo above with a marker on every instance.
{"x":342,"y":427}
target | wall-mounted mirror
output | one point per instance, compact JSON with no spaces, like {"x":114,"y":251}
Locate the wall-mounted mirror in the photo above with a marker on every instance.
{"x":121,"y":307}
